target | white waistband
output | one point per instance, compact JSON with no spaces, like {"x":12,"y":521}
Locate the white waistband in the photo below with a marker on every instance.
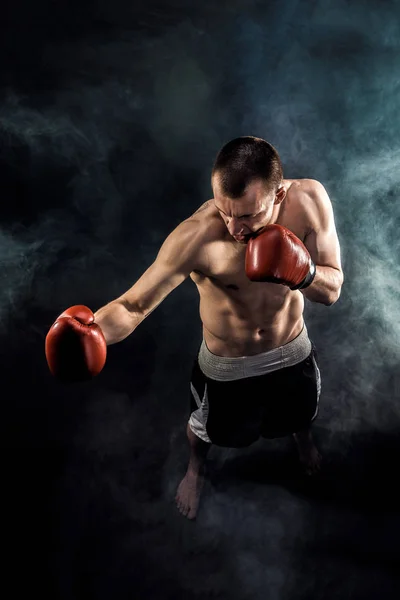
{"x":224,"y":368}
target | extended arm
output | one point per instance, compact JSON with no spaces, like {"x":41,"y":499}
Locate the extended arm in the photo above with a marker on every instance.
{"x":76,"y":344}
{"x":174,"y":263}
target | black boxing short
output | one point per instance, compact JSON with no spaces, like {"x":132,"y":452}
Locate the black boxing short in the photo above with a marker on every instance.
{"x":234,"y":401}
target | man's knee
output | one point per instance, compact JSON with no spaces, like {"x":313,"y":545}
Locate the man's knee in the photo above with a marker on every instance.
{"x":194,"y":440}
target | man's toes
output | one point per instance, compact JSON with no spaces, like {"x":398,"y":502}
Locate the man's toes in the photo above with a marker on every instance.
{"x":314,"y":470}
{"x":183,"y":508}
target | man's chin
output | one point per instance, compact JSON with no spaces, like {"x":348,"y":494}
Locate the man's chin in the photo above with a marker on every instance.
{"x":241,"y":239}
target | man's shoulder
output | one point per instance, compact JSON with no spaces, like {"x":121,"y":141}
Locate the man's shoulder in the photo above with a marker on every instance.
{"x":205,"y":221}
{"x":206,"y":207}
{"x":309,"y":194}
{"x":307,"y":202}
{"x":187,"y":241}
{"x":311,"y":199}
{"x":305,"y":187}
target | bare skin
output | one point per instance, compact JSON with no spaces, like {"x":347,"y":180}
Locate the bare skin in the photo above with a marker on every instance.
{"x":310,"y":458}
{"x":239,"y":317}
{"x":188,"y":493}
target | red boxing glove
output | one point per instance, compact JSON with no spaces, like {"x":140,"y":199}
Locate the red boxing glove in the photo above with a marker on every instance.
{"x":75,"y":347}
{"x":276,"y":255}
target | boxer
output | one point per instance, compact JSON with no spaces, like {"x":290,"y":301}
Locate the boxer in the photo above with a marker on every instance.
{"x":255,"y":251}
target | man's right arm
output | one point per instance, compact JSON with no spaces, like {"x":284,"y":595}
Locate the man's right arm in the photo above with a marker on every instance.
{"x":176,"y":259}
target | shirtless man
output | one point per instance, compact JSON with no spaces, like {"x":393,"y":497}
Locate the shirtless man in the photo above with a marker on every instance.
{"x":254,"y":251}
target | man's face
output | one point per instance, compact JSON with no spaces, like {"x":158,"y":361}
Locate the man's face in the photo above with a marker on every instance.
{"x":244,"y":216}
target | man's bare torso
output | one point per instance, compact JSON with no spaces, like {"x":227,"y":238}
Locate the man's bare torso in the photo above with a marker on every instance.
{"x":240,"y":317}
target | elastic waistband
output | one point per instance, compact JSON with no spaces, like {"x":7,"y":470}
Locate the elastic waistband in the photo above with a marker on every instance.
{"x":223,"y":368}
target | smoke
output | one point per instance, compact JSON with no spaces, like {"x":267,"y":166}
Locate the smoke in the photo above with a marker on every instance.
{"x":110,"y":120}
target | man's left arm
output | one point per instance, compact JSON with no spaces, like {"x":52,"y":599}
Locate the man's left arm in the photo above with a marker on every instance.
{"x":323,"y":245}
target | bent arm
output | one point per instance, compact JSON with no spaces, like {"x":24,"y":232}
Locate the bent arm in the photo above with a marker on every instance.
{"x":175,"y":261}
{"x":326,"y":286}
{"x":324,"y":248}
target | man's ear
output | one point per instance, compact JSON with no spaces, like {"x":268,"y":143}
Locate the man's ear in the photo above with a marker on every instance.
{"x":280,"y":195}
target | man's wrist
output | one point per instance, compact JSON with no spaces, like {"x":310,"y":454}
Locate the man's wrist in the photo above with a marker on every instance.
{"x":308,"y":279}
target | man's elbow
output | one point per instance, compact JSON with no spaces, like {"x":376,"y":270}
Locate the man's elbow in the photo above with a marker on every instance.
{"x":333,"y":297}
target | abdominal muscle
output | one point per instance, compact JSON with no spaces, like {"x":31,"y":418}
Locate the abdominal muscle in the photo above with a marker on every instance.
{"x":241,"y":317}
{"x":246,"y":323}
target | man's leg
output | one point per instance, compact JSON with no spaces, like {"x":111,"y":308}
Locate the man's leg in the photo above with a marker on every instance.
{"x":189,"y":490}
{"x":309,"y":456}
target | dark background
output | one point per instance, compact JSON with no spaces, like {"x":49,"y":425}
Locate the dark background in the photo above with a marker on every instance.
{"x":111,"y":114}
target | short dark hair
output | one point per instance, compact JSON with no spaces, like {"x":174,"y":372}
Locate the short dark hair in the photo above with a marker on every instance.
{"x":244,"y":160}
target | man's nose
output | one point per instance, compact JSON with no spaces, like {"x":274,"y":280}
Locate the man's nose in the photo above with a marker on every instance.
{"x":234,"y":227}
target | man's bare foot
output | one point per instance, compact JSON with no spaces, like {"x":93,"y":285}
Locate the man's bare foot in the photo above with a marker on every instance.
{"x":309,"y":456}
{"x":188,"y":494}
